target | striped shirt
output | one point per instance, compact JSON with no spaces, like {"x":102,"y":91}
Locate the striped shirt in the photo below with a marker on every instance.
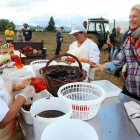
{"x":132,"y":82}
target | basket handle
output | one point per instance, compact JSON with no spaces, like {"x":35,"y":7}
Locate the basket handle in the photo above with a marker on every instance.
{"x":65,"y":54}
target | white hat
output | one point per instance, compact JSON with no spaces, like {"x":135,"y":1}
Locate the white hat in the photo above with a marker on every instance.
{"x":78,"y":28}
{"x":20,"y":29}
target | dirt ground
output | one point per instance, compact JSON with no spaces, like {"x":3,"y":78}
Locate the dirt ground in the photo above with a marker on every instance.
{"x":50,"y":43}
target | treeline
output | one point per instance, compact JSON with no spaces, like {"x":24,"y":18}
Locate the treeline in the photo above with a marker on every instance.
{"x":4,"y":23}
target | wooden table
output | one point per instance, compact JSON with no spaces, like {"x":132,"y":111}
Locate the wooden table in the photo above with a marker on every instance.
{"x":16,"y":52}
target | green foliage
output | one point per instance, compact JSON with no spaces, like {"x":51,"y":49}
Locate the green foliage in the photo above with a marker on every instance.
{"x":4,"y":23}
{"x":12,"y":24}
{"x":51,"y":25}
{"x":25,"y":24}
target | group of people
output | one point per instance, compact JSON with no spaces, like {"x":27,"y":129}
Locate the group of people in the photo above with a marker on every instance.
{"x":125,"y":52}
{"x":26,"y":35}
{"x":85,"y":50}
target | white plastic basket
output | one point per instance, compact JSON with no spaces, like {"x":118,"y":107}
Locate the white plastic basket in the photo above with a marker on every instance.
{"x":85,"y":99}
{"x":36,"y":65}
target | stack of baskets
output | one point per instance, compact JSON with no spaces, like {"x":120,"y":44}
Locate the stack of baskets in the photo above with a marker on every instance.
{"x":85,"y":99}
{"x":55,"y":84}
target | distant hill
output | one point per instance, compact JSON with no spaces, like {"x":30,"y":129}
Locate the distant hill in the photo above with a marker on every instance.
{"x":123,"y":25}
{"x":66,"y":28}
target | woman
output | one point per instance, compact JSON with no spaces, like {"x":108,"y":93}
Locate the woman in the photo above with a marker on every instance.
{"x":129,"y":54}
{"x":83,"y":48}
{"x":10,"y":108}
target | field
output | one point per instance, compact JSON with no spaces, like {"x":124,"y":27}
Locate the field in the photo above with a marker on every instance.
{"x":49,"y":39}
{"x":50,"y":43}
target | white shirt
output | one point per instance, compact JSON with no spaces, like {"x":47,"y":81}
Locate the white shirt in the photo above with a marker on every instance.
{"x":3,"y":105}
{"x":87,"y":51}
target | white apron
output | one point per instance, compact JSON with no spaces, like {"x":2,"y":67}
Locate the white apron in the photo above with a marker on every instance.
{"x":9,"y":132}
{"x":83,"y":53}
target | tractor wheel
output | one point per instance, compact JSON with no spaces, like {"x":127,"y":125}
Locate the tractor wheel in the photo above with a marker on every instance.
{"x":93,"y":38}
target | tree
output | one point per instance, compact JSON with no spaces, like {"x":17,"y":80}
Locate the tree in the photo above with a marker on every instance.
{"x":51,"y":25}
{"x":3,"y":24}
{"x":25,"y":24}
{"x":12,"y":24}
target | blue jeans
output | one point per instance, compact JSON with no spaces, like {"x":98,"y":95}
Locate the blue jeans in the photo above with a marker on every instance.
{"x":114,"y":53}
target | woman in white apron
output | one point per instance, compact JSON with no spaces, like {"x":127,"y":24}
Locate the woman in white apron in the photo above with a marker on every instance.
{"x":10,"y":108}
{"x":83,"y":48}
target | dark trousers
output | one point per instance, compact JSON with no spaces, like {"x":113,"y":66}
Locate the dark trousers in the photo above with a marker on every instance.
{"x":109,"y":50}
{"x":9,"y":41}
{"x":117,"y":71}
{"x":125,"y":91}
{"x":58,"y":49}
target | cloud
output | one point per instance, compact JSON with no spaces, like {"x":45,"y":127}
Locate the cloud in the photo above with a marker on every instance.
{"x":38,"y":12}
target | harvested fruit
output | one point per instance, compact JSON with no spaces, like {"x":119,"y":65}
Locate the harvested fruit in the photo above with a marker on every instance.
{"x":27,"y":48}
{"x":70,"y":59}
{"x":35,"y":51}
{"x":10,"y":45}
{"x":17,"y":61}
{"x":38,"y":84}
{"x":40,"y":51}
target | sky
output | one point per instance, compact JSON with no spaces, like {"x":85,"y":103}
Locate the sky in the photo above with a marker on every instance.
{"x":64,"y":12}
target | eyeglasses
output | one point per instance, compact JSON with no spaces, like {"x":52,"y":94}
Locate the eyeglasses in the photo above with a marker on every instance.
{"x":77,"y":35}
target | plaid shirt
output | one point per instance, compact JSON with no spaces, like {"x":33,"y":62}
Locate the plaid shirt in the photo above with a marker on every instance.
{"x":132,"y":82}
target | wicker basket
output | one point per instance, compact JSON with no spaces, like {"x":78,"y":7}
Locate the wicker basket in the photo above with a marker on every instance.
{"x":7,"y":49}
{"x":29,"y":52}
{"x":55,"y":84}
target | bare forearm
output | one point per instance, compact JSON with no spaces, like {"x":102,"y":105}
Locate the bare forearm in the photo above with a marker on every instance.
{"x":9,"y":35}
{"x":23,"y":38}
{"x":32,"y":37}
{"x":91,"y":63}
{"x":14,"y":108}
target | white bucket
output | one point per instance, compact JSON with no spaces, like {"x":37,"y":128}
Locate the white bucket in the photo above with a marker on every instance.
{"x":18,"y":76}
{"x":69,"y":129}
{"x":85,"y":66}
{"x":53,"y":103}
{"x":27,"y":114}
{"x":36,"y":65}
{"x":91,"y":73}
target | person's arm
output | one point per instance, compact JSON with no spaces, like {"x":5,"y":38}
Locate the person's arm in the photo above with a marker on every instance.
{"x":20,"y":34}
{"x":21,"y":85}
{"x":32,"y":37}
{"x":23,"y":38}
{"x":93,"y":54}
{"x":100,"y":67}
{"x":14,"y":108}
{"x":6,"y":35}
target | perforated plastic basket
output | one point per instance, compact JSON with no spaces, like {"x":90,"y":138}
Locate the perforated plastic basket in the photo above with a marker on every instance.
{"x":36,"y":65}
{"x":85,"y":99}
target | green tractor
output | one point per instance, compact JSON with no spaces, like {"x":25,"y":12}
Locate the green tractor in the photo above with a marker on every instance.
{"x":97,"y":30}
